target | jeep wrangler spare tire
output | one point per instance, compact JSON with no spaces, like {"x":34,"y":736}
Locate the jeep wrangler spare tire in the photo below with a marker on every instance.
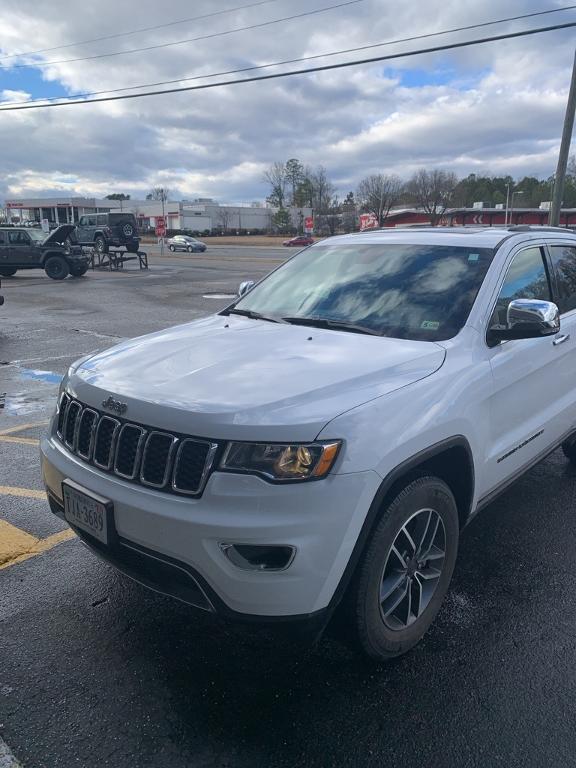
{"x":56,"y":267}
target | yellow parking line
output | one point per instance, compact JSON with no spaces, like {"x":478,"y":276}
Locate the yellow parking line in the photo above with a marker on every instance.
{"x":17,"y":545}
{"x":28,"y":493}
{"x":22,"y":427}
{"x":19,"y":440}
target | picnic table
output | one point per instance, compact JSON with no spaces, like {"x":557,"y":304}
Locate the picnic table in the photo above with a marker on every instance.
{"x":115,"y":259}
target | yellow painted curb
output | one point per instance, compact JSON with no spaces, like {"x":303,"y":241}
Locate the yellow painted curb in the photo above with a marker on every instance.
{"x":23,"y":427}
{"x":27,"y":493}
{"x":20,"y":440}
{"x":17,"y":545}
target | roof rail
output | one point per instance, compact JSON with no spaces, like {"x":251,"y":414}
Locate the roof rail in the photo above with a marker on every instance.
{"x":537,"y":228}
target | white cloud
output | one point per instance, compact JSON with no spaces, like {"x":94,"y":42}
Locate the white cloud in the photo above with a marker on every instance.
{"x":498,"y":107}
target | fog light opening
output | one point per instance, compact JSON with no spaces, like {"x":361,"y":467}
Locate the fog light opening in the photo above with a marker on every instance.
{"x":256,"y":557}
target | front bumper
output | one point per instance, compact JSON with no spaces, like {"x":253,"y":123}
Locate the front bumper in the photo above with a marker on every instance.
{"x":172,"y":544}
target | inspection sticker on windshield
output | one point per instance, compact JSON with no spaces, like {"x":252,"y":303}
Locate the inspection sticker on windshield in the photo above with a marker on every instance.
{"x":473,"y":256}
{"x":430,"y":325}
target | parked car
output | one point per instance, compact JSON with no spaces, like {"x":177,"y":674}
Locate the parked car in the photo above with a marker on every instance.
{"x":109,"y":230}
{"x":186,"y":243}
{"x":321,"y":442}
{"x":57,"y":252}
{"x":300,"y":241}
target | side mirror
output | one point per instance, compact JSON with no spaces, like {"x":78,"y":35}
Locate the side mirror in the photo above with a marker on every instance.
{"x":246,"y":286}
{"x":527,"y":319}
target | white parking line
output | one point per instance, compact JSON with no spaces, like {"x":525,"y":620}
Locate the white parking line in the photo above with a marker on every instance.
{"x":7,"y":759}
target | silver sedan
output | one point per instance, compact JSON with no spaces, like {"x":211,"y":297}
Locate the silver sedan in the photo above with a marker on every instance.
{"x":185,"y":243}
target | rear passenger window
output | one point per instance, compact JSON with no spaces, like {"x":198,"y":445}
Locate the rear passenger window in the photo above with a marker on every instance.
{"x":1,"y":238}
{"x":564,"y":261}
{"x":526,"y":279}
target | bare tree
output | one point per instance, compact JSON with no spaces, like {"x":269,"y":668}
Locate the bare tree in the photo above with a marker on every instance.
{"x":223,"y":217}
{"x":433,"y":191}
{"x":275,"y":176}
{"x":158,"y":193}
{"x":378,"y":193}
{"x":323,"y":191}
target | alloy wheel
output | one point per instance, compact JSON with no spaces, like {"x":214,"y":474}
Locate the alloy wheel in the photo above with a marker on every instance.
{"x":412,"y":569}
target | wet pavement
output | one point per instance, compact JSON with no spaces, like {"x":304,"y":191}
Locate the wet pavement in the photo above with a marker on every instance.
{"x":96,"y":671}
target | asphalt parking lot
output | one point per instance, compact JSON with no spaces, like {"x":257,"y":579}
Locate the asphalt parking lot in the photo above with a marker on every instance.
{"x":96,"y":671}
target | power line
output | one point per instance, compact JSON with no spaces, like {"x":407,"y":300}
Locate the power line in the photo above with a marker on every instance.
{"x":308,"y":70}
{"x":261,"y":24}
{"x":138,"y":31}
{"x":301,"y":59}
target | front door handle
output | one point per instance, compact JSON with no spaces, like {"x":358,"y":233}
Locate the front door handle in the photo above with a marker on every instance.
{"x":561,"y":339}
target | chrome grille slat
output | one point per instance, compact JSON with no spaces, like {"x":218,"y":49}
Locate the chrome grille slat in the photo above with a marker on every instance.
{"x":150,"y":472}
{"x":105,"y":442}
{"x":162,"y":460}
{"x":128,"y":451}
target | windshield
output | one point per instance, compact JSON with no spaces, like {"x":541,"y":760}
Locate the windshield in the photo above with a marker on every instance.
{"x":37,"y":235}
{"x":402,"y":291}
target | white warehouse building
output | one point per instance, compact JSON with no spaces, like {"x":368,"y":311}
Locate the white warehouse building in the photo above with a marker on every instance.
{"x":200,"y":215}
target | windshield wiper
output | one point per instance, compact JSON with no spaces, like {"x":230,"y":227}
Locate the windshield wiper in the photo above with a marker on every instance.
{"x":252,"y":315}
{"x":337,"y":325}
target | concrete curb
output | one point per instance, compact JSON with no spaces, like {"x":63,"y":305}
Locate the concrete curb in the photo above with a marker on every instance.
{"x":7,"y":759}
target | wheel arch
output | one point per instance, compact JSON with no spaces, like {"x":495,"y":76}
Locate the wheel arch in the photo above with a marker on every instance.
{"x":47,"y":254}
{"x":450,"y":460}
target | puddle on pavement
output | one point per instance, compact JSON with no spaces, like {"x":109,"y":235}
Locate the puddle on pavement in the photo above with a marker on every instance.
{"x":23,"y":403}
{"x":41,"y":396}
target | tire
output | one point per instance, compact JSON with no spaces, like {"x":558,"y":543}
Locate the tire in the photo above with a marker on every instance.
{"x":190,"y":249}
{"x":569,"y":448}
{"x":100,"y":244}
{"x":389,"y":627}
{"x":172,"y":248}
{"x":77,"y":270}
{"x":127,"y":229}
{"x":8,"y":271}
{"x":56,"y":267}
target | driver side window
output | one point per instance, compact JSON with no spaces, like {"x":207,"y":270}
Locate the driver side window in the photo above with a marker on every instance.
{"x":527,"y":278}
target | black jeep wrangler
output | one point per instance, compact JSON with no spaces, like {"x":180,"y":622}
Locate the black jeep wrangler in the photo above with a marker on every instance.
{"x":57,"y":252}
{"x":103,"y":230}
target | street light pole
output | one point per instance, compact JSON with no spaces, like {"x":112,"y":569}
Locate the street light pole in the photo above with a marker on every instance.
{"x":517,"y":192}
{"x":507,"y":204}
{"x":554,"y":218}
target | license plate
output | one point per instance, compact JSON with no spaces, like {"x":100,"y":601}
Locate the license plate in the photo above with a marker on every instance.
{"x":85,"y":512}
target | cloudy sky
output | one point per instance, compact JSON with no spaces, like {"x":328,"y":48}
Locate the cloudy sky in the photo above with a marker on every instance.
{"x":495,"y":108}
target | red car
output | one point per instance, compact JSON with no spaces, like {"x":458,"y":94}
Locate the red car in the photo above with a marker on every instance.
{"x":299,"y":241}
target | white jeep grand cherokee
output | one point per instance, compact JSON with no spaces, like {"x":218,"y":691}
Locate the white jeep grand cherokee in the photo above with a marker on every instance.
{"x":326,"y":437}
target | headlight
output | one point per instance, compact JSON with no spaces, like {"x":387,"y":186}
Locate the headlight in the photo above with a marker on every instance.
{"x":281,"y":462}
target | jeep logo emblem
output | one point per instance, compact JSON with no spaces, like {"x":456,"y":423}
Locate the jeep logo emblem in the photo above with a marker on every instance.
{"x":115,"y":405}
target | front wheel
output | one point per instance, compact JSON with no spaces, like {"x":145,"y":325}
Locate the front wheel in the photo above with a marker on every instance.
{"x":7,"y":271}
{"x":77,"y":270}
{"x":405,"y":572}
{"x":569,"y":448}
{"x":56,"y":267}
{"x":172,"y":248}
{"x":190,"y":249}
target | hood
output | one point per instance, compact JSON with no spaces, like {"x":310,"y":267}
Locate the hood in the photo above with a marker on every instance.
{"x":59,"y":235}
{"x":234,"y":377}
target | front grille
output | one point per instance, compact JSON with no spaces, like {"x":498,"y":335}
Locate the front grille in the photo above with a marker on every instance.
{"x":171,"y":462}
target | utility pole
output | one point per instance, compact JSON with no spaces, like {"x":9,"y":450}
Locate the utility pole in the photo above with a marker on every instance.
{"x":554,"y":219}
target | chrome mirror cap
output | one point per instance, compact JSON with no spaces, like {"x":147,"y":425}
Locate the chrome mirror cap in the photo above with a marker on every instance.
{"x":246,"y":286}
{"x":544,"y":316}
{"x":526,"y":319}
